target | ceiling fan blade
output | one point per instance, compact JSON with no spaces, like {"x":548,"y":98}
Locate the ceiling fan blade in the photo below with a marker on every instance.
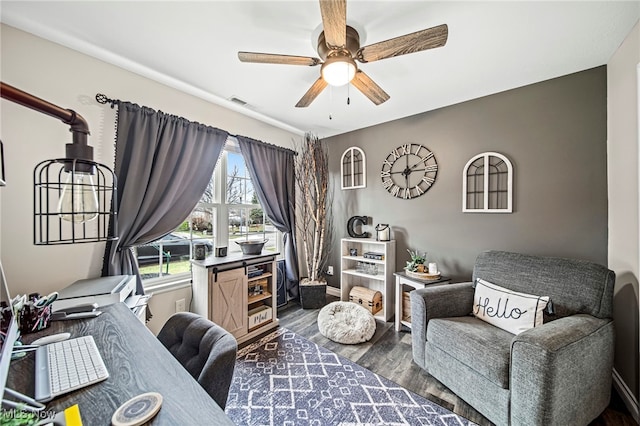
{"x":369,"y":88}
{"x":409,"y":43}
{"x":334,"y":22}
{"x":271,"y":58}
{"x":312,"y":93}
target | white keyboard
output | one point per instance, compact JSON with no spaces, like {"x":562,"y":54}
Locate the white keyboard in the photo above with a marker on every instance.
{"x":66,"y":366}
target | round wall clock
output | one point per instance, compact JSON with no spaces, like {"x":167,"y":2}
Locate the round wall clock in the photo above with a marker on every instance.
{"x":409,"y":171}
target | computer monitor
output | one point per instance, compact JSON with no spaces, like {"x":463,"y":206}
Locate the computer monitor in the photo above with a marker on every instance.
{"x":8,"y":330}
{"x":8,"y":336}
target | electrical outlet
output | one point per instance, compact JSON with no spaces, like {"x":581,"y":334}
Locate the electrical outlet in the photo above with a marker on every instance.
{"x":329,"y":270}
{"x":181,"y":305}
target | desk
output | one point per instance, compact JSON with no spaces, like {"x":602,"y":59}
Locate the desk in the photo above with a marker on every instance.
{"x":402,"y":279}
{"x":137,"y":363}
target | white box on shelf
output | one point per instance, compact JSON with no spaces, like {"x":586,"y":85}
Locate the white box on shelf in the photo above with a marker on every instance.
{"x":260,"y":315}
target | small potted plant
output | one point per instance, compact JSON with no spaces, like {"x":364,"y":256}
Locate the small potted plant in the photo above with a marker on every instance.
{"x":417,"y":262}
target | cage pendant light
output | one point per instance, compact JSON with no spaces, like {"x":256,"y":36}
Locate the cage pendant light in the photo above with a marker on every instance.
{"x":73,"y":202}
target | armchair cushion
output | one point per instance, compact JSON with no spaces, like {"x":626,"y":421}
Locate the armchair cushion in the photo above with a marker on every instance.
{"x":474,"y":343}
{"x":510,"y":310}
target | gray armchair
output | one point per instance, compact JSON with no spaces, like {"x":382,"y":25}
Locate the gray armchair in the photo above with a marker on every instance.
{"x":556,"y":374}
{"x":205,"y":350}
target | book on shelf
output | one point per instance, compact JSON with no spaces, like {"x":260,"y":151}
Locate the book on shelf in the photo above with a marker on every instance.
{"x":373,"y":255}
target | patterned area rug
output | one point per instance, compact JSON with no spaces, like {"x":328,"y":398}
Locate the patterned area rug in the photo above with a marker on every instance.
{"x":284,"y":379}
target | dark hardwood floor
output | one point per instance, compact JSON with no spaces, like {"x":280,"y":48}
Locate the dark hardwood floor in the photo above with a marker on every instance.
{"x":388,"y":354}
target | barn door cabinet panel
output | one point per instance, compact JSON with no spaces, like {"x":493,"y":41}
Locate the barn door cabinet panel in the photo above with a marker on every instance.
{"x":237,"y":292}
{"x":228,"y":301}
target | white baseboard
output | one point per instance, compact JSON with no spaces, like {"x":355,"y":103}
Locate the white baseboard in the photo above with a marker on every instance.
{"x":333,"y":291}
{"x":627,"y":396}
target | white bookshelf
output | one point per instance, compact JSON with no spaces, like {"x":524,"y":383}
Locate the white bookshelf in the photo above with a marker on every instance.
{"x":383,"y":281}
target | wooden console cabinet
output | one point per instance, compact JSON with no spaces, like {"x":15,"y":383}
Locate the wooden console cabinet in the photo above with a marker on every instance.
{"x":237,"y":292}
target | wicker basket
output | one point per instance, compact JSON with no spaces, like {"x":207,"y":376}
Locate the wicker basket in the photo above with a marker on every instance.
{"x":406,"y":306}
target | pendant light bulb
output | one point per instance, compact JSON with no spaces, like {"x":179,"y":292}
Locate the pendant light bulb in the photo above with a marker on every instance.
{"x":78,"y":202}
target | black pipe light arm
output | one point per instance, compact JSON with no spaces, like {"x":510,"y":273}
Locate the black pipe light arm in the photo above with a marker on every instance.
{"x":63,"y":210}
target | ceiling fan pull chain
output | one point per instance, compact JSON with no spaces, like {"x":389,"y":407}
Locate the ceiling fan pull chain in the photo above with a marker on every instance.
{"x":330,"y":101}
{"x":348,"y":94}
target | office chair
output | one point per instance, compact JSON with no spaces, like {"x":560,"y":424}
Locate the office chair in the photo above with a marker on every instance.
{"x":205,"y":350}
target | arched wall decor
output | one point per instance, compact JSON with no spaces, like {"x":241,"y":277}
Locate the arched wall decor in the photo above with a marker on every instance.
{"x":353,"y":168}
{"x":487,"y":184}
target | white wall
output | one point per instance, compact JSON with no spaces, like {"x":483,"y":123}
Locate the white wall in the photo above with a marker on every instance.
{"x":623,"y":175}
{"x":71,"y":80}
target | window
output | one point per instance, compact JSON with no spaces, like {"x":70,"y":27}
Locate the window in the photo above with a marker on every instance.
{"x":353,"y":168}
{"x":228,"y":211}
{"x":487,"y":184}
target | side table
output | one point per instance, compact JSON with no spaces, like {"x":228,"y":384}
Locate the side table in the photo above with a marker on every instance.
{"x":402,"y":280}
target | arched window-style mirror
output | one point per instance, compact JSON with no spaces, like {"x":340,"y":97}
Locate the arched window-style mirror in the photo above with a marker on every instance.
{"x":487,"y":184}
{"x":353,"y":168}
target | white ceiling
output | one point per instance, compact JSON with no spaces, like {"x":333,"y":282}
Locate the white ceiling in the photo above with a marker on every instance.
{"x":492,"y":47}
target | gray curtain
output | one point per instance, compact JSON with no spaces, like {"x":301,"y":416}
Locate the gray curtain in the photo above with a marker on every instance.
{"x":273,"y":175}
{"x":163,"y":165}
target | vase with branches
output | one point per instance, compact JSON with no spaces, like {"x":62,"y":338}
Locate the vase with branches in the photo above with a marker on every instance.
{"x":313,"y":223}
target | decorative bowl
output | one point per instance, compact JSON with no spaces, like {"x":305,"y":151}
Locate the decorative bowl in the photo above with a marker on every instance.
{"x":251,"y":247}
{"x":422,"y":275}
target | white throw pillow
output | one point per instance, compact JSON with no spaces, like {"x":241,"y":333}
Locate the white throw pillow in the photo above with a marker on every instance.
{"x":511,"y":311}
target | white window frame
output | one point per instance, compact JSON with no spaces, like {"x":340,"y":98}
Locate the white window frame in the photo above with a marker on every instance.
{"x":486,"y":208}
{"x":352,"y":176}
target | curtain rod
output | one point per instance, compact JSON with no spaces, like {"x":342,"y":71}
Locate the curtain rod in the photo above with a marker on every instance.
{"x":103,"y":99}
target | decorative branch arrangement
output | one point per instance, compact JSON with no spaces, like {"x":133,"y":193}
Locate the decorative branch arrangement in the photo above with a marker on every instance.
{"x":314,"y":221}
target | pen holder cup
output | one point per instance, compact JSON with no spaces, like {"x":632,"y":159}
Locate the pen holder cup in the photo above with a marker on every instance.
{"x":33,"y":318}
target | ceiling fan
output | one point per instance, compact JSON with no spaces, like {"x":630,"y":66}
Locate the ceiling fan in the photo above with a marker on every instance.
{"x":339,"y":48}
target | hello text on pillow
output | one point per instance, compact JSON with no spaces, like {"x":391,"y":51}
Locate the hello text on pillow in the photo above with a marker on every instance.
{"x":509,"y":310}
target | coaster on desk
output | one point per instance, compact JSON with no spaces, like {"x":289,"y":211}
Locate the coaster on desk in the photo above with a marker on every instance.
{"x":138,"y":410}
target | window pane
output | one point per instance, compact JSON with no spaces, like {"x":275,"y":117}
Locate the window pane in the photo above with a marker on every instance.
{"x":271,"y":234}
{"x":235,"y":164}
{"x":172,"y":254}
{"x":251,"y":196}
{"x":209,"y":193}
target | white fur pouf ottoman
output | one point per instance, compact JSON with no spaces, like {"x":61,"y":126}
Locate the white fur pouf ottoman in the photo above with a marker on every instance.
{"x":346,"y":322}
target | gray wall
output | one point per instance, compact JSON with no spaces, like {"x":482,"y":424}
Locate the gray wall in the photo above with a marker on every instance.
{"x":554,"y":133}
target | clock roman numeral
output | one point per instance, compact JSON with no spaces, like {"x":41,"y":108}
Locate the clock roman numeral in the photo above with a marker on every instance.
{"x":407,"y":193}
{"x":428,"y":180}
{"x":431,"y":168}
{"x":395,"y":154}
{"x":406,"y":149}
{"x":387,"y":184}
{"x":395,"y":190}
{"x":427,"y":158}
{"x":384,"y":174}
{"x":388,"y":163}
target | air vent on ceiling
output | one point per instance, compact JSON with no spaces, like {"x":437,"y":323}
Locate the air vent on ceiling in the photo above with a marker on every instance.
{"x":238,"y":101}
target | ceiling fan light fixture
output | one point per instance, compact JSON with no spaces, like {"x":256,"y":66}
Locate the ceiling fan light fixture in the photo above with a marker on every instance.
{"x":338,"y":70}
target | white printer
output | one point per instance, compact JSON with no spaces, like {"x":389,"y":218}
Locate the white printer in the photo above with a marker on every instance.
{"x":103,"y":291}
